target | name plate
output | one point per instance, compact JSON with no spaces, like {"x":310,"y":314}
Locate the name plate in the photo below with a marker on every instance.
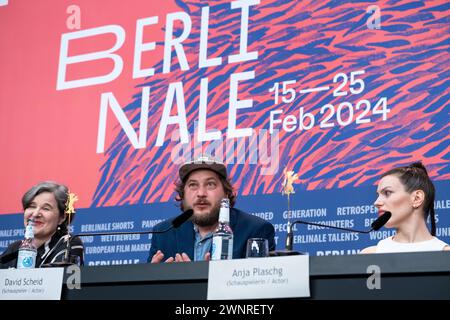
{"x":259,"y":278}
{"x":31,"y":284}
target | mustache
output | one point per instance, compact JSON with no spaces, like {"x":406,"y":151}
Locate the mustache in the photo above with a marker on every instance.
{"x":202,"y":202}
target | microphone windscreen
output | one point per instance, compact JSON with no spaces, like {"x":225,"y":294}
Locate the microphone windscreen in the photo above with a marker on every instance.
{"x":5,"y":258}
{"x":381,"y":221}
{"x":182,"y":218}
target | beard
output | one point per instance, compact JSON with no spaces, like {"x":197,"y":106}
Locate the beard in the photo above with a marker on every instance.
{"x":207,"y":219}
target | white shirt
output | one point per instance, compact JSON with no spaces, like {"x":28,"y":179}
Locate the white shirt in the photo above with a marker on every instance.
{"x":388,"y":245}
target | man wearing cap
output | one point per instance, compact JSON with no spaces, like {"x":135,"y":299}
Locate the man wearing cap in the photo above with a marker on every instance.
{"x":203,"y":183}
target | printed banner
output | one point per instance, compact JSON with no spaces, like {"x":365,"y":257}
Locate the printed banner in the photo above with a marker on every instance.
{"x":110,"y":98}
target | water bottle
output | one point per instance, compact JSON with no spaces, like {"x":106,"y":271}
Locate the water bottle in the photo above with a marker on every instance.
{"x":222,"y":241}
{"x":27,"y":249}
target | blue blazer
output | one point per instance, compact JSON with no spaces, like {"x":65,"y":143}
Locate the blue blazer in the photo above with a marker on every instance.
{"x":180,"y":240}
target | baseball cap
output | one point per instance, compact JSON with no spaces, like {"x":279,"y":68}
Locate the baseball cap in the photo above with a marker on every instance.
{"x":203,"y":162}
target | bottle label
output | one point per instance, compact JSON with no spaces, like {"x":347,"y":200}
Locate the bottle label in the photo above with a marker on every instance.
{"x":230,"y":248}
{"x":216,"y":248}
{"x":222,"y":248}
{"x":26,"y":259}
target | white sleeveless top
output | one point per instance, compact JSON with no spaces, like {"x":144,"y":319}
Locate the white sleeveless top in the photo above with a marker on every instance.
{"x":388,"y":245}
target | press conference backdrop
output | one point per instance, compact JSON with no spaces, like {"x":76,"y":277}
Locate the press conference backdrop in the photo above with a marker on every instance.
{"x":110,"y":98}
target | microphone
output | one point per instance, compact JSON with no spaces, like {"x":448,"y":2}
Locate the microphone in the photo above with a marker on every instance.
{"x":175,"y":223}
{"x":380,"y":221}
{"x":179,"y":220}
{"x":5,"y":258}
{"x":375,"y":226}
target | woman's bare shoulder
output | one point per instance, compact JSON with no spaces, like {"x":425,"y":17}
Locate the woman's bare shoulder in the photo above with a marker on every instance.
{"x":372,"y":249}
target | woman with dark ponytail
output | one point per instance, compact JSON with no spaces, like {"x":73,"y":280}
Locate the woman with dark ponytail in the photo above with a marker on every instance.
{"x":50,"y":206}
{"x":408,"y":193}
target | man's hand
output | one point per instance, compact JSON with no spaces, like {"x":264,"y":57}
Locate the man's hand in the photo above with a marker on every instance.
{"x":183,"y":257}
{"x":159,"y":256}
{"x":207,"y":256}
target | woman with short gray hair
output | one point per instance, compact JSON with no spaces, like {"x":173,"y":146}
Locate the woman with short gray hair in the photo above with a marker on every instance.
{"x":50,"y":206}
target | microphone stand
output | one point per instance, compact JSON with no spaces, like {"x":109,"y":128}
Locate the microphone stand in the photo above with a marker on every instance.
{"x":68,"y":261}
{"x":67,"y":257}
{"x":287,"y":251}
{"x":375,"y":226}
